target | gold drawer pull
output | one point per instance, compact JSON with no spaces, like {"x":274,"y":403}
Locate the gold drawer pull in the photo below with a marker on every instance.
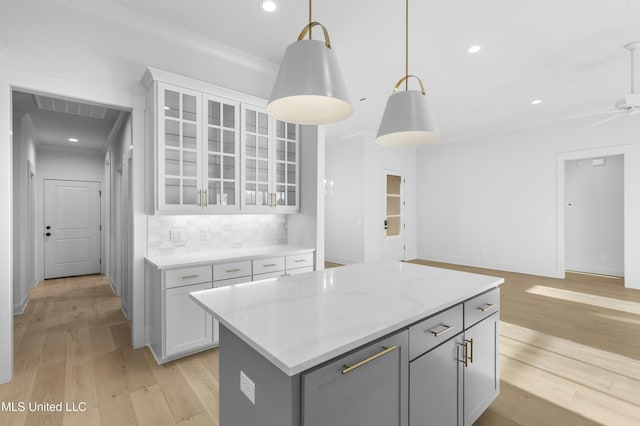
{"x":269,"y":265}
{"x":188,"y":277}
{"x":465,"y":359}
{"x":346,"y":369}
{"x":300,"y":260}
{"x":470,"y":350}
{"x":233,"y":270}
{"x":446,"y":329}
{"x":487,"y":307}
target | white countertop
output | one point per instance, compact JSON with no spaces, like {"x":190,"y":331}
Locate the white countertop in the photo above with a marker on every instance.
{"x":300,"y":321}
{"x":219,"y":256}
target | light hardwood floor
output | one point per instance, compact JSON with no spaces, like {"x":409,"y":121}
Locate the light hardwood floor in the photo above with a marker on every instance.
{"x":569,"y":353}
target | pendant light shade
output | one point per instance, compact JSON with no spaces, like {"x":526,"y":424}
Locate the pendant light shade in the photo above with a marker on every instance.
{"x":310,"y":88}
{"x":407,"y":118}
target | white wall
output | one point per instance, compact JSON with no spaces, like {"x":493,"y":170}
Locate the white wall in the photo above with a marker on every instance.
{"x":492,"y":202}
{"x":62,"y":165}
{"x":362,"y":241}
{"x":344,"y":206}
{"x":24,"y":140}
{"x":594,"y":216}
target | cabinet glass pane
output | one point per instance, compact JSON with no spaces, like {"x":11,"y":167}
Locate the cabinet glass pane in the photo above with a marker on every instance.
{"x":214,"y":166}
{"x":189,"y":164}
{"x":280,"y":127}
{"x":280,"y":150}
{"x":251,"y":146}
{"x":229,"y":142}
{"x":291,"y":131}
{"x":291,"y":173}
{"x":291,"y":151}
{"x":250,"y":194}
{"x":229,"y":116}
{"x":214,"y":113}
{"x":172,"y":191}
{"x":263,"y":147}
{"x":171,"y":133}
{"x":251,"y":170}
{"x":263,"y":171}
{"x":280,"y":173}
{"x":262,"y":195}
{"x":263,"y":123}
{"x":291,"y":195}
{"x":250,"y":122}
{"x":229,"y":167}
{"x":189,"y":140}
{"x":280,"y":194}
{"x":171,"y":104}
{"x":214,"y":140}
{"x":172,"y":162}
{"x":189,"y":192}
{"x":214,"y":192}
{"x":189,"y":107}
{"x":229,"y":193}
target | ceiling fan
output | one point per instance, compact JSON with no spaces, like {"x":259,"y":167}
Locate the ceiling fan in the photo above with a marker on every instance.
{"x":630,"y":104}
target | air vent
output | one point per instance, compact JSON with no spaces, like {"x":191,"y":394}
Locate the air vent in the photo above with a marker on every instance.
{"x":70,"y":107}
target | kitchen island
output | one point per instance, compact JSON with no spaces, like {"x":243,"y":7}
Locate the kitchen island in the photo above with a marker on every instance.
{"x":339,"y":346}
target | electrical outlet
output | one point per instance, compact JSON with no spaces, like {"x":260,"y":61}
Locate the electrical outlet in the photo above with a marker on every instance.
{"x":176,"y":235}
{"x":247,"y":387}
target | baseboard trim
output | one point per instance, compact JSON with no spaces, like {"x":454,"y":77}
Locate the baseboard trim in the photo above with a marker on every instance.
{"x":342,"y":260}
{"x":19,"y":309}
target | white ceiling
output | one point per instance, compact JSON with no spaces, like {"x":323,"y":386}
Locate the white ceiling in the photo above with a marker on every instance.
{"x":54,"y":127}
{"x":567,"y":53}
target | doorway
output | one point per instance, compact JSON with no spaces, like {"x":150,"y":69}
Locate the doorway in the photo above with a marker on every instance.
{"x":393,"y":237}
{"x":73,"y":226}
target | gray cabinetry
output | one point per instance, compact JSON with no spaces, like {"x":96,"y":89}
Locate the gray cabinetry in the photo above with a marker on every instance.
{"x":365,"y":388}
{"x":435,"y":392}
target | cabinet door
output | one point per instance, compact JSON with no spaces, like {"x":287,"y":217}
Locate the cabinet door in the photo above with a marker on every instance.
{"x":435,"y":392}
{"x":481,"y":375}
{"x":256,"y":159}
{"x":373,"y":394}
{"x":178,"y":149}
{"x":187,"y":325}
{"x":221,"y":154}
{"x":287,"y":165}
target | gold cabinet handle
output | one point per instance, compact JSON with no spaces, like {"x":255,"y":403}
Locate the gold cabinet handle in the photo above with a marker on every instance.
{"x":300,"y":260}
{"x":487,"y":307}
{"x":233,"y":270}
{"x":206,"y":198}
{"x":465,"y":359}
{"x":470,"y":350}
{"x":200,"y":197}
{"x":446,"y":329}
{"x":269,"y":265}
{"x":188,"y":277}
{"x":348,"y":369}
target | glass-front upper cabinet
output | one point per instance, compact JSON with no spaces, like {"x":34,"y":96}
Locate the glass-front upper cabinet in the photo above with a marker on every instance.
{"x":221,"y":154}
{"x":179,"y":169}
{"x":270,"y":162}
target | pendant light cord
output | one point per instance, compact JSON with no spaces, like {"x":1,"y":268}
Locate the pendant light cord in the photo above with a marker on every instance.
{"x":406,"y":45}
{"x":310,"y":19}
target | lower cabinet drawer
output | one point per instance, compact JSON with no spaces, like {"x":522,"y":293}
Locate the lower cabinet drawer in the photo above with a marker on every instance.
{"x":481,"y":306}
{"x":271,"y":264}
{"x":434,"y":330}
{"x":232,"y":281}
{"x":299,"y":270}
{"x":299,"y":261}
{"x":186,"y":276}
{"x":226,"y":271}
{"x":276,"y":274}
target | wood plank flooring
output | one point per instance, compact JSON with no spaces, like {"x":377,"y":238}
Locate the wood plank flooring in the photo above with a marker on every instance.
{"x":569,"y":354}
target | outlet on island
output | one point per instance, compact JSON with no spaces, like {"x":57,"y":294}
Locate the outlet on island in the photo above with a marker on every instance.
{"x":247,"y":387}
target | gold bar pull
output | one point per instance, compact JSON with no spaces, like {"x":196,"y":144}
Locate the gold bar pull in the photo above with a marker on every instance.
{"x":471,"y":350}
{"x":446,"y":329}
{"x":269,"y":265}
{"x":188,"y":277}
{"x":346,"y":369}
{"x":300,"y":260}
{"x":487,"y":307}
{"x":200,"y":196}
{"x":465,"y":360}
{"x":233,"y":270}
{"x":206,"y":198}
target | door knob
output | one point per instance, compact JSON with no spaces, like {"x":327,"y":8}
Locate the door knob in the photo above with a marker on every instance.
{"x":48,"y":227}
{"x":48,"y":234}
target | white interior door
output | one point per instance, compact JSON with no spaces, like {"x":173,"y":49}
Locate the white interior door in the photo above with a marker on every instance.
{"x":72,"y":228}
{"x":393,"y":217}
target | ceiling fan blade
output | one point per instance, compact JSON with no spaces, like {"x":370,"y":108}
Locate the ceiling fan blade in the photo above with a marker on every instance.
{"x":597,"y":123}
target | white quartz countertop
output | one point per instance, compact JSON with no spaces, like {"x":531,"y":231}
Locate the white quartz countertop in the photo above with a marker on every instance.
{"x":220,"y":256}
{"x":300,"y":321}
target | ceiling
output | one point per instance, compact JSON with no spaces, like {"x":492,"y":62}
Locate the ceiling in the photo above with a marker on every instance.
{"x":56,"y":120}
{"x":566,"y":53}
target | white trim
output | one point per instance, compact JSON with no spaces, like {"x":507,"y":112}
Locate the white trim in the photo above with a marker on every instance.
{"x":19,"y":309}
{"x":561,"y":159}
{"x":343,"y":260}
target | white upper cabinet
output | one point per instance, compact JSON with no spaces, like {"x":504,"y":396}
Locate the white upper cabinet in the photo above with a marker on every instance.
{"x":215,"y":153}
{"x":270,"y":162}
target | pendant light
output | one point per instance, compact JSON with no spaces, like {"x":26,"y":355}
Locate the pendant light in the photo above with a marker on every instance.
{"x":310,"y":88}
{"x":407,"y":118}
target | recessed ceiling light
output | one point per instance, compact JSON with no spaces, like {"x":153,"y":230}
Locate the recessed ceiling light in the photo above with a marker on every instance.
{"x":74,"y":140}
{"x":473,"y":49}
{"x":536,"y":102}
{"x":269,"y":6}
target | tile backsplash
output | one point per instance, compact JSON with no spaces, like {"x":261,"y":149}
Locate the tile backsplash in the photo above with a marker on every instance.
{"x":191,"y":234}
